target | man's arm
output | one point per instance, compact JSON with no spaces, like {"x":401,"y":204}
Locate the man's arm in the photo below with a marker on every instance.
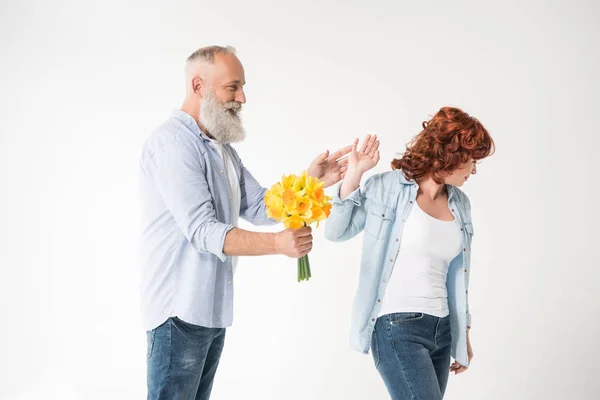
{"x":178,"y":174}
{"x":293,"y":243}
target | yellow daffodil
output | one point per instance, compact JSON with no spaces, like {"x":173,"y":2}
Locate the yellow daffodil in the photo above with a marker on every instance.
{"x":298,"y":201}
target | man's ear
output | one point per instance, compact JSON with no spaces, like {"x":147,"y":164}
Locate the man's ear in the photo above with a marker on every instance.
{"x":198,"y":85}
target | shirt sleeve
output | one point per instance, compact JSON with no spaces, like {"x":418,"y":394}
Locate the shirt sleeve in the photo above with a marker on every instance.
{"x":348,"y":216}
{"x":178,"y":173}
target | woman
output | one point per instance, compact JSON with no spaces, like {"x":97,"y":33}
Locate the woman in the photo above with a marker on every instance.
{"x":411,"y":307}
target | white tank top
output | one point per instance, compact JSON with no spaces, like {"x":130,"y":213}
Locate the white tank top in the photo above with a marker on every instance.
{"x":418,"y":280}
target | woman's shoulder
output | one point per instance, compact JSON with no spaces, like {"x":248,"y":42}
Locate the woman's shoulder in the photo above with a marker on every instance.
{"x":461,"y":197}
{"x":394,"y":179}
{"x":379,"y":186}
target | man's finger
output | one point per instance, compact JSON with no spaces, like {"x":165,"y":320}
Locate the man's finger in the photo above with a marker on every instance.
{"x":322,"y":157}
{"x":303,"y":231}
{"x":343,"y":162}
{"x":304,"y":240}
{"x":305,"y":247}
{"x":342,"y":152}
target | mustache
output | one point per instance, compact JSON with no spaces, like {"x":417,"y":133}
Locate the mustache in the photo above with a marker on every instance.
{"x":233,"y":105}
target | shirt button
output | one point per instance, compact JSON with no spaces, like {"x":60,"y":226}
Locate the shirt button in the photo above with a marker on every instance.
{"x":373,"y":319}
{"x":222,"y":171}
{"x":397,"y":240}
{"x":229,"y":282}
{"x":384,"y":281}
{"x":465,"y":249}
{"x":403,"y":220}
{"x":453,"y":210}
{"x":410,"y":202}
{"x":379,"y":300}
{"x":391,"y":260}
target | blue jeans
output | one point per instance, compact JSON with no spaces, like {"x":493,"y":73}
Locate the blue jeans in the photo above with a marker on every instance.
{"x":412,"y":354}
{"x":182,"y":360}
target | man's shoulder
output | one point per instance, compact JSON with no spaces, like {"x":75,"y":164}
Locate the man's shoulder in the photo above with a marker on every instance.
{"x":170,"y":132}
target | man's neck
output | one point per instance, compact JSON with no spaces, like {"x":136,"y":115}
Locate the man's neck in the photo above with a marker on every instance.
{"x":193,"y":109}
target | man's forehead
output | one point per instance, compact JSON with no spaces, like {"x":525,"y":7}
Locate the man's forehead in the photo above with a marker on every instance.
{"x":227,"y":67}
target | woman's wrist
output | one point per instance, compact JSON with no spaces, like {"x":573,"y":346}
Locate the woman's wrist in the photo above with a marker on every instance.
{"x":350,"y":183}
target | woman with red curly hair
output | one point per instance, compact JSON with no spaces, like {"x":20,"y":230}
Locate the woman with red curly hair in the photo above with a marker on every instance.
{"x":411,"y":307}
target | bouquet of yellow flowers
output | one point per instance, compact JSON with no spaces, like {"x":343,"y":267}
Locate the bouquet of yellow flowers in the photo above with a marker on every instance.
{"x":298,"y":201}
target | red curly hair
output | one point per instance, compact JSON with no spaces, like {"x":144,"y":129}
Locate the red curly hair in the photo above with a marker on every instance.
{"x":451,"y":138}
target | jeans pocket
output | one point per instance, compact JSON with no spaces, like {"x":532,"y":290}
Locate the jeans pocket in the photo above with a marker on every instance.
{"x":149,"y":343}
{"x":399,"y":318}
{"x":375,"y":349}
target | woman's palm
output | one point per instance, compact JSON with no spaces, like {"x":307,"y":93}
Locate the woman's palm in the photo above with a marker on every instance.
{"x":367,"y":157}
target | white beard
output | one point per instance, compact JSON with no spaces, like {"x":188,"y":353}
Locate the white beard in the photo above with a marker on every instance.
{"x":222,"y":120}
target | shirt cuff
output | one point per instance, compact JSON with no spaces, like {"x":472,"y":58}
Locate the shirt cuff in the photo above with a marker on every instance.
{"x":468,"y":320}
{"x":219,"y":236}
{"x":353,"y":199}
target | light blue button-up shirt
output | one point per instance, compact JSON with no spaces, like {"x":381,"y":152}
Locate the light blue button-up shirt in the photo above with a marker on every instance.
{"x":380,"y":208}
{"x":185,"y":206}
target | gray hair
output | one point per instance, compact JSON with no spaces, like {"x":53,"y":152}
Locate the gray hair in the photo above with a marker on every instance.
{"x":207,"y":54}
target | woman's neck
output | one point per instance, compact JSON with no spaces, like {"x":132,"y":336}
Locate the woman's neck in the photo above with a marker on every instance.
{"x":430,"y":188}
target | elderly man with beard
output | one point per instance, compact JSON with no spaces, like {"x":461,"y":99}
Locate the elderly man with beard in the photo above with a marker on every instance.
{"x":194,"y":187}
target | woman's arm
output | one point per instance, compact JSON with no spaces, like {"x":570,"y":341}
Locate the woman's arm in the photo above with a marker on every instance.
{"x":349,"y":211}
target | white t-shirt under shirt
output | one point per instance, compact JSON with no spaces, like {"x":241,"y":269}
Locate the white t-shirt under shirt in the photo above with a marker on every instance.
{"x":418,"y":280}
{"x":235,"y":194}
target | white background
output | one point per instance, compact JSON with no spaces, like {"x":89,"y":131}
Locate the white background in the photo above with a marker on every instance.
{"x":83,"y":83}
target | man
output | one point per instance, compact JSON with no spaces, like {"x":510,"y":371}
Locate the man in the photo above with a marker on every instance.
{"x":194,"y":188}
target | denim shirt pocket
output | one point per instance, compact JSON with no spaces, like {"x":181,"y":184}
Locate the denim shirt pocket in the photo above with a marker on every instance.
{"x":470,"y":232}
{"x":379,"y":221}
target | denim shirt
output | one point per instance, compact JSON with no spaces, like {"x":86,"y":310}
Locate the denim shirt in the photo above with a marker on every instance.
{"x":381,"y":208}
{"x":185,"y":216}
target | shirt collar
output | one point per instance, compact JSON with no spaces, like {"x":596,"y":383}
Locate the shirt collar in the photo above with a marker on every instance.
{"x":451,"y":190}
{"x":405,"y":181}
{"x":187,"y":120}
